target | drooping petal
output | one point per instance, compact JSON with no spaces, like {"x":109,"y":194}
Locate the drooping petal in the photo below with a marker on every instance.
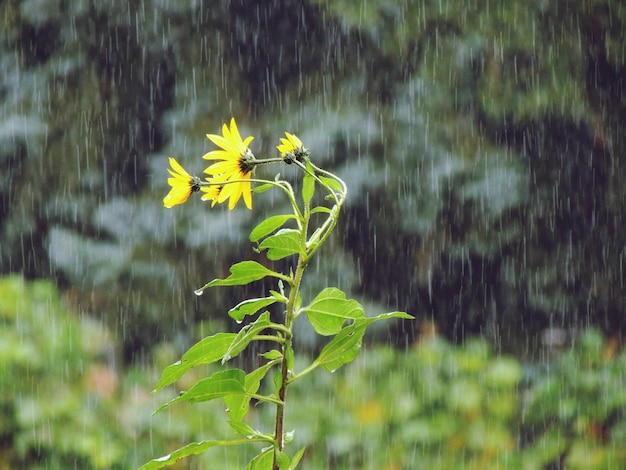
{"x":212,"y":192}
{"x":247,"y":194}
{"x":177,"y":195}
{"x":182,"y":184}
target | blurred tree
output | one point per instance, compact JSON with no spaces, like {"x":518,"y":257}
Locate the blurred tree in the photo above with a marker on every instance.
{"x":504,"y":189}
{"x":481,"y":142}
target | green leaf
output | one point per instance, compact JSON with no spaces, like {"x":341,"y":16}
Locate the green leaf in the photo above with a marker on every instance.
{"x":263,"y":187}
{"x":343,"y":348}
{"x":250,"y":307}
{"x":279,"y":296}
{"x":283,"y":243}
{"x":194,"y":448}
{"x":253,"y":379}
{"x":241,"y":428}
{"x":205,"y":351}
{"x":332,"y":183}
{"x":273,"y":354}
{"x":325,"y":210}
{"x":282,"y":460}
{"x":278,"y":381}
{"x":296,"y":458}
{"x":263,"y":461}
{"x":219,"y":385}
{"x":330,"y":309}
{"x":386,"y":316}
{"x":308,"y":184}
{"x":291,"y":358}
{"x":243,"y":273}
{"x":246,"y":335}
{"x":268,"y":226}
{"x":238,"y":405}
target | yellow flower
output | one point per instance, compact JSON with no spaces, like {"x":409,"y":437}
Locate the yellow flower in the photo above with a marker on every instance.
{"x":182,"y":183}
{"x":291,"y":148}
{"x":212,"y":191}
{"x":236,"y":165}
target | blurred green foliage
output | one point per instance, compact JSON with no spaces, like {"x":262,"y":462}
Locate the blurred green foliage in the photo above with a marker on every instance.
{"x":64,"y":403}
{"x":444,"y":407}
{"x":575,"y":407}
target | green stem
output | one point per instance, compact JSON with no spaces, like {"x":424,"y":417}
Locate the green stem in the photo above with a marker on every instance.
{"x":289,"y":317}
{"x":328,"y":174}
{"x":301,"y":374}
{"x":269,"y":338}
{"x":329,"y":224}
{"x":269,"y":160}
{"x":267,"y":399}
{"x":325,"y":229}
{"x":290,"y":313}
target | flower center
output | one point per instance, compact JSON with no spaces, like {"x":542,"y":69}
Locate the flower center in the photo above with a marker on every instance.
{"x":195,"y":184}
{"x":247,"y":162}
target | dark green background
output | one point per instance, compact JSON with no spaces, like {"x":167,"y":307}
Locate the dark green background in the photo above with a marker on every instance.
{"x":483,"y":146}
{"x":482,"y":143}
